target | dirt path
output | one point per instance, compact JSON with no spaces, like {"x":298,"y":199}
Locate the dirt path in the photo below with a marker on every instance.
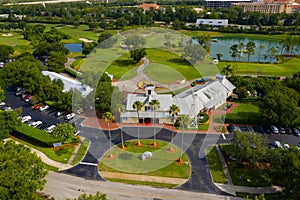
{"x":137,"y":177}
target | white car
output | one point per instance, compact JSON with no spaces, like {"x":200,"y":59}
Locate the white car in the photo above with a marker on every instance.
{"x":50,"y":128}
{"x":26,"y":118}
{"x":70,"y":116}
{"x":35,"y":124}
{"x":286,"y":146}
{"x":45,"y":107}
{"x":274,"y":129}
{"x":298,"y":146}
{"x":2,"y":103}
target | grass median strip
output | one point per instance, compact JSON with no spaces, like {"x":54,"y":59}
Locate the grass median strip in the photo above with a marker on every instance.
{"x":81,"y":151}
{"x":215,"y":165}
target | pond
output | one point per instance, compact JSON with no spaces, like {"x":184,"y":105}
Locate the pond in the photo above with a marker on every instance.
{"x":222,"y":46}
{"x":74,"y":47}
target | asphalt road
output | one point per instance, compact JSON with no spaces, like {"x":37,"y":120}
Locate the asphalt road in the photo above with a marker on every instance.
{"x":60,"y":186}
{"x":194,"y":144}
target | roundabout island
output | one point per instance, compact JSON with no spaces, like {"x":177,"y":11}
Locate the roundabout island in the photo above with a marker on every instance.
{"x":166,"y":166}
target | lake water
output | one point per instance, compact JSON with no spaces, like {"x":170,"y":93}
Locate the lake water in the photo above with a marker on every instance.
{"x":223,"y":46}
{"x":74,"y":47}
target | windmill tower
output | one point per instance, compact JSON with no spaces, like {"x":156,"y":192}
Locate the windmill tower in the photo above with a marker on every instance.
{"x":193,"y":113}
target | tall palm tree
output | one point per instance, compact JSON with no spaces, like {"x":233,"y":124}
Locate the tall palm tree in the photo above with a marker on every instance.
{"x":155,"y":104}
{"x":185,"y":120}
{"x":138,"y":106}
{"x":261,"y":47}
{"x":121,"y":108}
{"x":108,"y":118}
{"x":174,"y":111}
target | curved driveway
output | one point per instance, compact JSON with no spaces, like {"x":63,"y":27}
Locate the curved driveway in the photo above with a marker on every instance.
{"x":199,"y":180}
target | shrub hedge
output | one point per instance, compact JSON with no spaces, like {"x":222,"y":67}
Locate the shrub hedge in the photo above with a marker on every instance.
{"x":37,"y":136}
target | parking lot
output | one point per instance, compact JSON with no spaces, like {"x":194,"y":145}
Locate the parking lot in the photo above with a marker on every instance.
{"x":266,"y":131}
{"x":48,"y":116}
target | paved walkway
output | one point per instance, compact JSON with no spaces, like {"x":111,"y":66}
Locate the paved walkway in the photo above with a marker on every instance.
{"x":224,"y":165}
{"x":137,"y":177}
{"x":45,"y":159}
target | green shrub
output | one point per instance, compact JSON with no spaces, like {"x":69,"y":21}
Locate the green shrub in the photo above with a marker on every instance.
{"x":70,"y":72}
{"x":37,"y":136}
{"x":204,"y":119}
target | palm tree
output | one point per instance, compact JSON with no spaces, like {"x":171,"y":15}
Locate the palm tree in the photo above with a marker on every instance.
{"x":121,"y":108}
{"x":138,"y":106}
{"x":155,"y":104}
{"x":174,"y":111}
{"x":108,"y":117}
{"x":185,"y":120}
{"x":229,"y":70}
{"x":261,"y":47}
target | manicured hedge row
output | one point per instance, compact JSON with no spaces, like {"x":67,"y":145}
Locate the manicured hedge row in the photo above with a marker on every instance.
{"x":35,"y":135}
{"x":70,"y":72}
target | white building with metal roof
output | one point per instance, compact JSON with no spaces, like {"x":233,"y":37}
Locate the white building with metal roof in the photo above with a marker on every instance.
{"x":208,"y":96}
{"x":69,"y":83}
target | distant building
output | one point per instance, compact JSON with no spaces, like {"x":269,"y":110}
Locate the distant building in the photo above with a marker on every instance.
{"x":149,"y":6}
{"x":199,"y":98}
{"x":212,"y":22}
{"x":269,"y":7}
{"x":69,"y":83}
{"x":223,"y":3}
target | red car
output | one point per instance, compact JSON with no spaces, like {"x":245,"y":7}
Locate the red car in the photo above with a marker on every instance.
{"x":37,"y":107}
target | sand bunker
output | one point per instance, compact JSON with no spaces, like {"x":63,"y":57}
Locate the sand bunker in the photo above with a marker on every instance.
{"x":86,"y":40}
{"x":7,"y":34}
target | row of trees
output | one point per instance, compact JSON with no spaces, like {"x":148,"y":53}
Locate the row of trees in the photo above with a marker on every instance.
{"x":277,"y":100}
{"x":116,"y":16}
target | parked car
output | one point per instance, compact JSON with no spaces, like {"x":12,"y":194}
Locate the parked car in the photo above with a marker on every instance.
{"x":35,"y":124}
{"x":37,"y":107}
{"x":298,"y":146}
{"x":288,"y":131}
{"x":25,"y":118}
{"x":277,"y":144}
{"x":296,"y":131}
{"x":231,"y":128}
{"x":45,"y":107}
{"x":274,"y":129}
{"x":281,"y":130}
{"x":2,"y":103}
{"x":7,"y":108}
{"x":286,"y":146}
{"x":50,"y":128}
{"x":70,"y":116}
{"x":27,"y":98}
{"x":59,"y":113}
{"x":19,"y":91}
{"x":271,"y":146}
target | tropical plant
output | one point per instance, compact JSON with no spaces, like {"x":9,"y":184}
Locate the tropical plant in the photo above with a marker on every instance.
{"x":138,"y":106}
{"x":229,"y":70}
{"x":174,"y":111}
{"x":108,"y":118}
{"x":155,"y":104}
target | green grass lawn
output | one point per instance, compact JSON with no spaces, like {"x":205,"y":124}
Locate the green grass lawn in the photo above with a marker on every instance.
{"x":81,"y":151}
{"x":61,"y":156}
{"x":165,"y":61}
{"x":16,"y":40}
{"x":286,"y":68}
{"x":161,"y":164}
{"x":243,"y":114}
{"x":215,"y":165}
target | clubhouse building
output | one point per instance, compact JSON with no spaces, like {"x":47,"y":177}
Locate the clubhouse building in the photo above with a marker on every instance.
{"x":203,"y":97}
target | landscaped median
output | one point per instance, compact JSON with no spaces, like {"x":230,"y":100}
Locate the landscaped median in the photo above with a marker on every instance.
{"x":164,"y":169}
